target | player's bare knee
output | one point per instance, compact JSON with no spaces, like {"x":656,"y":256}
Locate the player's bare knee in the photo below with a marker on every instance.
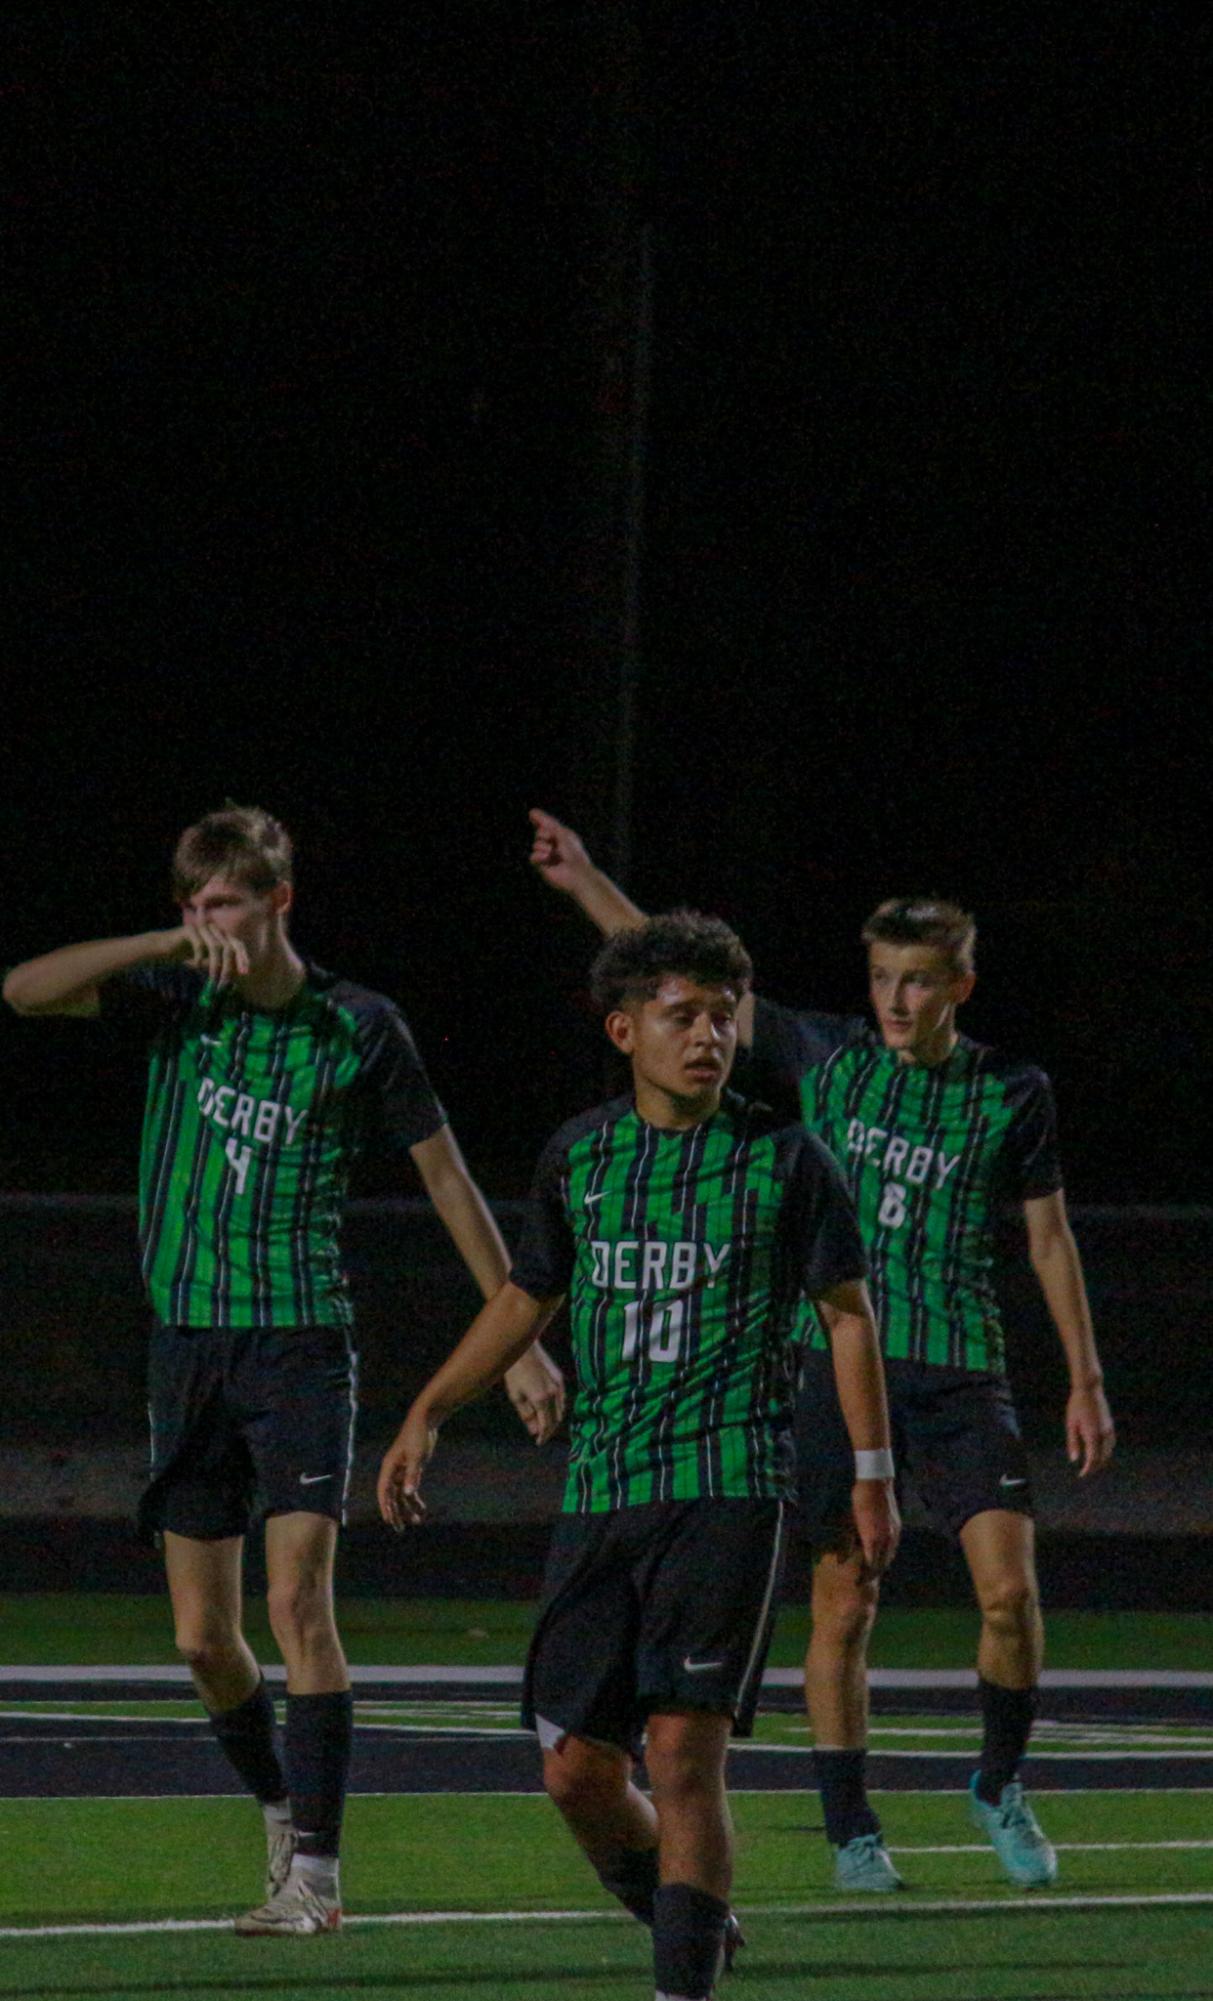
{"x":1010,"y":1605}
{"x":301,"y":1614}
{"x":681,"y":1774}
{"x":844,"y":1612}
{"x":207,"y":1651}
{"x":579,"y":1777}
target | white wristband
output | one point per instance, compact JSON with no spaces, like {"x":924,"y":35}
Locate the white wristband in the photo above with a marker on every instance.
{"x":874,"y":1465}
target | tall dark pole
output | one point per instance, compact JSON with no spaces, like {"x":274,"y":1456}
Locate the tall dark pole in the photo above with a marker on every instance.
{"x":632,"y":554}
{"x":612,"y":337}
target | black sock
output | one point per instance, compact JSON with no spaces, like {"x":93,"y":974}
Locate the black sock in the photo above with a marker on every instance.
{"x":631,"y":1875}
{"x":1006,"y":1715}
{"x":319,"y":1739}
{"x":688,"y":1939}
{"x":842,"y":1780}
{"x":247,"y":1735}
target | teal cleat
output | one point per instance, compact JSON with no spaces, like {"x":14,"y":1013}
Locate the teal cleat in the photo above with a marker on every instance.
{"x":865,"y":1864}
{"x":1015,"y":1833}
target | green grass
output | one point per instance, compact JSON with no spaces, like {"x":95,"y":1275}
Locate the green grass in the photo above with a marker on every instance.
{"x":1138,"y":1956}
{"x":44,"y":1628}
{"x":200,"y":1859}
{"x":101,"y":1862}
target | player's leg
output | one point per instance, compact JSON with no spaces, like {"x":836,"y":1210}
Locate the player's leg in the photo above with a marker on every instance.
{"x":204,"y":1580}
{"x":610,"y":1819}
{"x":198,"y":1498}
{"x":685,"y":1755}
{"x":999,"y":1547}
{"x":579,"y":1697}
{"x":699,"y":1661}
{"x":843,"y":1608}
{"x":299,"y":1553}
{"x":294,"y":1391}
{"x":968,"y":1459}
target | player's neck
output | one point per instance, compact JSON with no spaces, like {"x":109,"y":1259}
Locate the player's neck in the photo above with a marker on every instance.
{"x":933,"y":1052}
{"x":275,"y":980}
{"x":671,"y":1113}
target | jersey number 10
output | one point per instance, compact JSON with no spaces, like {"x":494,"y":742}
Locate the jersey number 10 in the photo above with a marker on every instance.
{"x":662,"y":1335}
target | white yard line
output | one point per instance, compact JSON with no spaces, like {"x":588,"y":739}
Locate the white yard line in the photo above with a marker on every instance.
{"x":1062,"y":1847}
{"x":871,"y":1912}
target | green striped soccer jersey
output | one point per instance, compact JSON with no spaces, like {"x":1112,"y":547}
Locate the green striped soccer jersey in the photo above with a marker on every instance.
{"x":688,"y":1259}
{"x":931,"y":1155}
{"x":253,"y":1119}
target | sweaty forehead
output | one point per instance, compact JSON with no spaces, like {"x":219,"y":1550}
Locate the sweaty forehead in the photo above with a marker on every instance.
{"x":679,"y":990}
{"x":908,"y":958}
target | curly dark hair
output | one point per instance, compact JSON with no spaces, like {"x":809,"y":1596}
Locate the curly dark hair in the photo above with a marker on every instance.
{"x":632,"y":964}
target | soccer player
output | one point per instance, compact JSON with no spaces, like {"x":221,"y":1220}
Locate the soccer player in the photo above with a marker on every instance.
{"x":267,"y":1077}
{"x":689,"y":1231}
{"x":935,"y":1133}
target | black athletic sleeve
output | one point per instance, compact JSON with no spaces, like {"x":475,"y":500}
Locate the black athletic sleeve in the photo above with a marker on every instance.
{"x":145,"y":994}
{"x":406,"y":1109}
{"x":543,"y":1262}
{"x":1033,"y":1159}
{"x":787,"y":1044}
{"x":823,"y":1241}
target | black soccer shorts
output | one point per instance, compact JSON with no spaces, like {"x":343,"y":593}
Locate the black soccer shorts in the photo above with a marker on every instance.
{"x":653,"y":1609}
{"x":247,"y":1422}
{"x":955,"y":1434}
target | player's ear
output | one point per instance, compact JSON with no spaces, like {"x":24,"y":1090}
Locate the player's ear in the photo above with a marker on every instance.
{"x":621,"y":1030}
{"x":963,"y":987}
{"x":282,"y":897}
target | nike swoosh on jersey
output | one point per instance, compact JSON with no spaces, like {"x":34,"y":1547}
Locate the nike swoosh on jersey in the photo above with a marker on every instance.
{"x":310,"y":1479}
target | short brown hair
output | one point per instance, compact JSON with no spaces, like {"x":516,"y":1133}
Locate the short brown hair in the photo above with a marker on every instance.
{"x":925,"y":920}
{"x":243,"y":844}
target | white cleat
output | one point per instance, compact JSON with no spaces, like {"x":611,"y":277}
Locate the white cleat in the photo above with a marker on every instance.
{"x":295,"y":1911}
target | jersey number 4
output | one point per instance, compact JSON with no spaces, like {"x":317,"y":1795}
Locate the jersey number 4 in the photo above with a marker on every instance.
{"x":239,"y":1158}
{"x":661,"y":1335}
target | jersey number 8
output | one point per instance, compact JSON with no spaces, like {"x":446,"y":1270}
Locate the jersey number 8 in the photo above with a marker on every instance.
{"x":892,"y":1213}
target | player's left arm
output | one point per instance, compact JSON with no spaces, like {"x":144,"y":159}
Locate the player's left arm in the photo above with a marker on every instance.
{"x":534,"y":1383}
{"x":1090,"y":1433}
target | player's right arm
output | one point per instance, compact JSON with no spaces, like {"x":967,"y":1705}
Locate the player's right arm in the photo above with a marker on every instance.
{"x":69,"y":981}
{"x":501,"y":1333}
{"x":859,"y":1375}
{"x":560,"y":857}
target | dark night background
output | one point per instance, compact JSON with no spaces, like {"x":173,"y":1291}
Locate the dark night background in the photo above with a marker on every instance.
{"x":322,"y":385}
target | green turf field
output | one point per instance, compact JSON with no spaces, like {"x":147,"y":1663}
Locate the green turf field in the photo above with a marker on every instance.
{"x":477,"y":1894}
{"x":524,"y":1916}
{"x":50,"y":1627}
